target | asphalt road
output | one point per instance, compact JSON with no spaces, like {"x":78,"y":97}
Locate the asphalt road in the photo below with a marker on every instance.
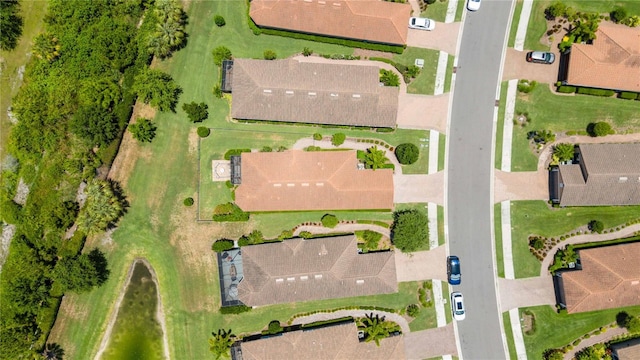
{"x":469,"y":177}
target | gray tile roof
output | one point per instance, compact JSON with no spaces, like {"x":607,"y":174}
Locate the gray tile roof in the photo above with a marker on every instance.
{"x":302,"y":270}
{"x":339,"y":342}
{"x":608,"y":174}
{"x":292,"y":91}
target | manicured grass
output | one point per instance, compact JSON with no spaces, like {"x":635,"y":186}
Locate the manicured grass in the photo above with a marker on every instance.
{"x":508,"y":331}
{"x":436,"y":11}
{"x":564,"y":113}
{"x":460,"y":9}
{"x":497,"y":222}
{"x":537,"y":27}
{"x":32,"y":13}
{"x":442,"y":151}
{"x":441,"y":238}
{"x":535,"y":217}
{"x":500,"y":124}
{"x":514,"y":23}
{"x":554,"y":330}
{"x":446,"y":293}
{"x":424,"y":83}
{"x":449,"y":74}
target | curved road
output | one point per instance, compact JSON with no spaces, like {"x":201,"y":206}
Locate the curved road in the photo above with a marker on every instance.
{"x":470,"y":171}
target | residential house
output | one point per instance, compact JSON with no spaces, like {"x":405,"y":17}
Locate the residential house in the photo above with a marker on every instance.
{"x":300,"y":270}
{"x":297,"y":180}
{"x":611,"y":61}
{"x":335,"y":342}
{"x":315,"y":93}
{"x":626,"y":350}
{"x":367,"y":20}
{"x":602,"y":174}
{"x":606,"y":277}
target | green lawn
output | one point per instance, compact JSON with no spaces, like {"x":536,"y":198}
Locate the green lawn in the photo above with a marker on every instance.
{"x":506,"y":320}
{"x":441,"y":238}
{"x":32,"y":13}
{"x":436,"y":11}
{"x":460,"y":9}
{"x":426,"y":80}
{"x":500,"y":124}
{"x":555,"y":330}
{"x":446,"y":293}
{"x":497,"y":222}
{"x":535,"y":217}
{"x":514,"y":23}
{"x":566,"y":113}
{"x":538,"y":26}
{"x":449,"y":74}
{"x":442,"y":151}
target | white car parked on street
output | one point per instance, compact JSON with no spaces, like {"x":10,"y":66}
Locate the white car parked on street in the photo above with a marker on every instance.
{"x":422,"y":23}
{"x":457,"y":306}
{"x":473,"y":5}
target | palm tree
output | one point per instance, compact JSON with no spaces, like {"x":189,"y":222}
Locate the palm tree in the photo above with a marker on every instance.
{"x":375,"y":328}
{"x":221,"y":343}
{"x":52,"y":351}
{"x":102,"y":208}
{"x":564,"y":151}
{"x":375,"y":158}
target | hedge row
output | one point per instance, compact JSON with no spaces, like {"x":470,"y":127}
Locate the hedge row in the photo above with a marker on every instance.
{"x":596,"y":92}
{"x":400,"y":67}
{"x":567,"y":89}
{"x":629,"y":95}
{"x":234,"y":152}
{"x":237,"y":309}
{"x":229,"y":212}
{"x":327,"y":322}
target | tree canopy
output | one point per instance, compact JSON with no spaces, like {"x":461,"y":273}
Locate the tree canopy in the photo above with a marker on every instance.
{"x":158,"y":89}
{"x":407,"y":153}
{"x":409,"y":230}
{"x":221,"y":343}
{"x":169,"y":34}
{"x":375,"y":158}
{"x":143,"y":130}
{"x":11,"y":24}
{"x":196,"y":112}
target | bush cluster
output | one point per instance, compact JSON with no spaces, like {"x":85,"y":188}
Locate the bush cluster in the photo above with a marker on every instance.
{"x":236,"y":309}
{"x":253,"y":238}
{"x":596,"y":226}
{"x":317,"y":136}
{"x":408,"y":72}
{"x":234,"y":152}
{"x":222,"y":245}
{"x":629,"y":95}
{"x":229,"y":212}
{"x":413,"y":310}
{"x":407,"y":153}
{"x":599,"y":129}
{"x":595,"y":92}
{"x":389,"y":78}
{"x":526,"y":86}
{"x":270,"y":55}
{"x":338,"y":139}
{"x":329,"y":221}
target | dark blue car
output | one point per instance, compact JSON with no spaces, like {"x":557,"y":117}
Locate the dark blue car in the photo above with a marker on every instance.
{"x":453,"y":270}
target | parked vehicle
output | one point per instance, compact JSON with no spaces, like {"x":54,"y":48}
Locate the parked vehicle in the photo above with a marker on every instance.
{"x":422,"y":23}
{"x":473,"y":5}
{"x":457,"y":306}
{"x":541,"y":57}
{"x":453,"y":270}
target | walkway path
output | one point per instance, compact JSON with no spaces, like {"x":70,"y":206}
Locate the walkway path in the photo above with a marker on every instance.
{"x":521,"y":33}
{"x":404,"y":324}
{"x":526,"y":292}
{"x":452,"y":8}
{"x":423,"y":112}
{"x":421,"y":265}
{"x":441,"y":72}
{"x":586,"y":238}
{"x":419,"y":188}
{"x":604,"y":337}
{"x":430,"y":343}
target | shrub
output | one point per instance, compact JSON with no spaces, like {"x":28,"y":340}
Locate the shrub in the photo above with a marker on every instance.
{"x":221,"y":53}
{"x":629,"y":95}
{"x":407,"y":153}
{"x":243,"y":241}
{"x":555,"y":10}
{"x":526,"y":86}
{"x":338,"y":139}
{"x":217,"y":92}
{"x":307,"y":52}
{"x":317,"y":136}
{"x":143,"y":130}
{"x":565,"y":89}
{"x":266,"y":149}
{"x":632,"y":21}
{"x":600,"y":128}
{"x":596,"y":226}
{"x":196,"y":112}
{"x":222,"y":245}
{"x":237,"y":309}
{"x":596,"y":92}
{"x":10,"y":211}
{"x":229,"y":212}
{"x":305,"y":234}
{"x":234,"y":152}
{"x":329,"y":221}
{"x":269,"y":55}
{"x":536,"y":243}
{"x":203,"y":131}
{"x":188,"y":201}
{"x":219,"y":20}
{"x":275,"y":327}
{"x":618,"y":15}
{"x":285,"y":234}
{"x":413,"y":310}
{"x":633,"y":324}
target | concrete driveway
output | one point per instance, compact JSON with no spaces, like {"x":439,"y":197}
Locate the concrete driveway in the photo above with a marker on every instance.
{"x":430,"y":343}
{"x":419,"y":188}
{"x":444,"y":37}
{"x":517,"y":67}
{"x":422,"y":265}
{"x":524,"y":185}
{"x":424,"y":112}
{"x":526,"y":292}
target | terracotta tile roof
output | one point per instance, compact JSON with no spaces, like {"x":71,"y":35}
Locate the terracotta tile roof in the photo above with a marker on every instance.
{"x":610,"y":278}
{"x":337,"y":342}
{"x":611,"y":62}
{"x":293,"y":91}
{"x":297,"y":180}
{"x":303,"y":270}
{"x":369,"y":20}
{"x":609,"y":174}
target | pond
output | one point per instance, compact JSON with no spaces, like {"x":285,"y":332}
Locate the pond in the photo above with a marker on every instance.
{"x":137,"y":333}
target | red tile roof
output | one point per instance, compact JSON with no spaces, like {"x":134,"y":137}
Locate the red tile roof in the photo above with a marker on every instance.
{"x":610,"y":278}
{"x":611,"y":62}
{"x":297,"y":180}
{"x":369,"y":20}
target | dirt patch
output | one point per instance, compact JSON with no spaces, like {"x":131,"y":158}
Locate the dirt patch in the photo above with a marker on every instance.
{"x":193,"y":141}
{"x":365,"y":54}
{"x":528,"y":323}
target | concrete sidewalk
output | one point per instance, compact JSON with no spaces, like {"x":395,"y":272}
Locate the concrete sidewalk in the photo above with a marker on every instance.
{"x":526,"y":292}
{"x":421,"y":265}
{"x":419,"y":188}
{"x":424,"y":112}
{"x":430,"y":343}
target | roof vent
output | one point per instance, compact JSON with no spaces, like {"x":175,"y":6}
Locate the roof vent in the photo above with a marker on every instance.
{"x":279,"y":280}
{"x":305,"y":277}
{"x":291,"y":279}
{"x":318,"y":277}
{"x":623,"y":179}
{"x":337,"y":4}
{"x":311,"y":94}
{"x":321,"y":2}
{"x":266,"y":91}
{"x":356,"y":96}
{"x":289,"y":92}
{"x":359,"y":282}
{"x":334,"y":95}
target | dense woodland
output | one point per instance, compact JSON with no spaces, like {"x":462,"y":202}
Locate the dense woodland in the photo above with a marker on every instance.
{"x":76,"y":100}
